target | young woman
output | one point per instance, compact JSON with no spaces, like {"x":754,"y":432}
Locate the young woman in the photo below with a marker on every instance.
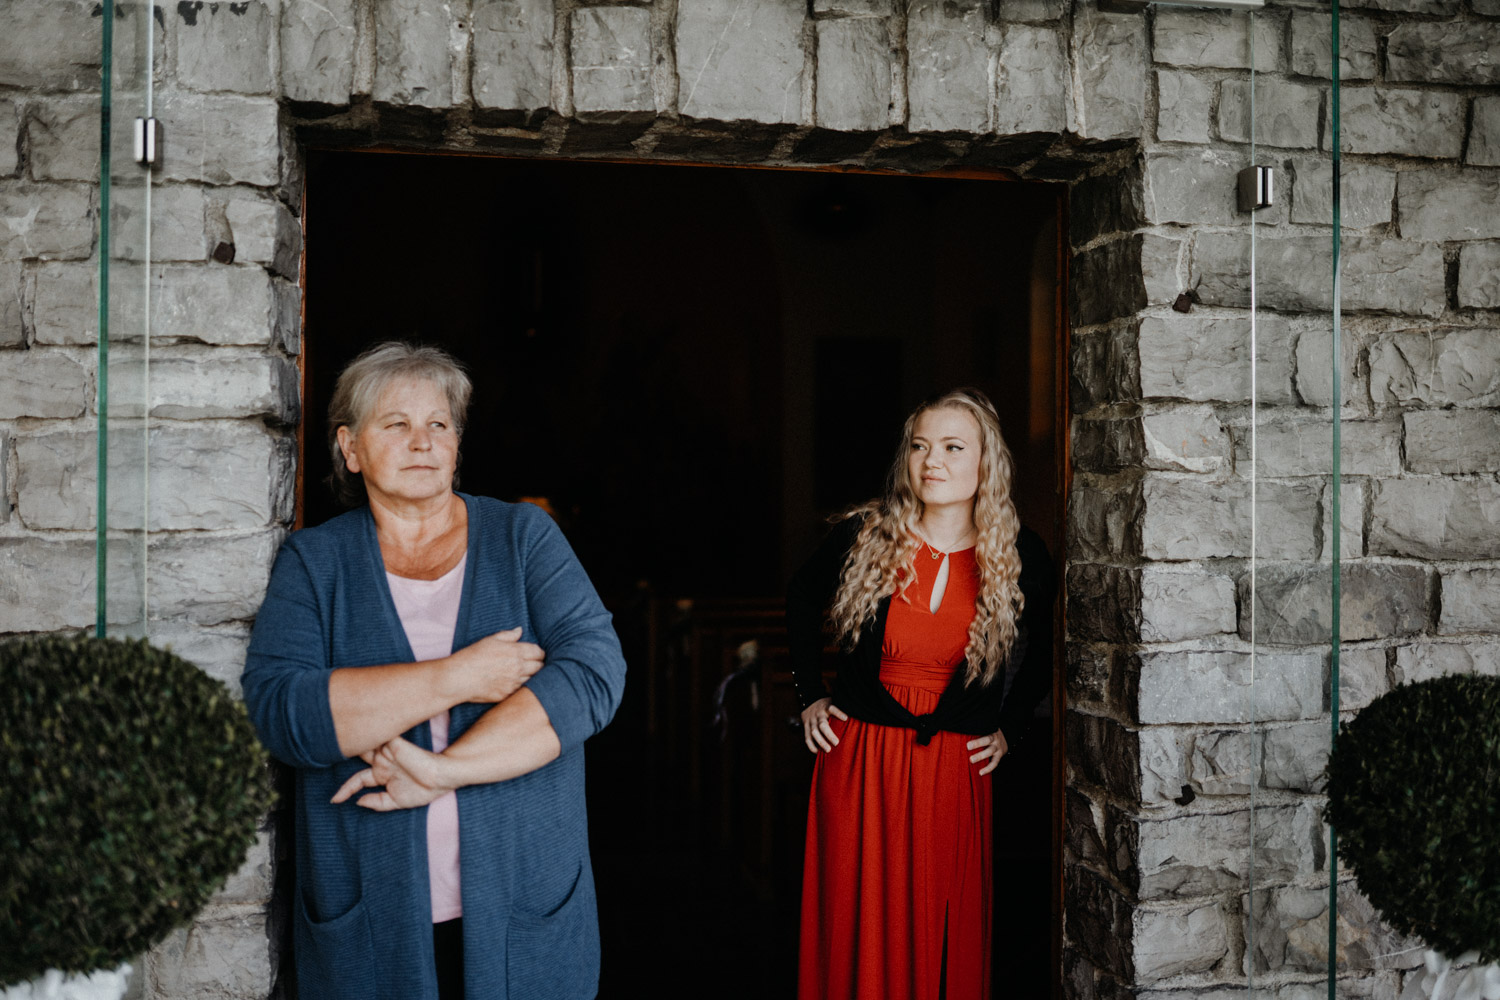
{"x":936,"y":594}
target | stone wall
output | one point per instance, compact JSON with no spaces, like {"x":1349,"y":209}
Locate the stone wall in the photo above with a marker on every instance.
{"x":1143,"y":113}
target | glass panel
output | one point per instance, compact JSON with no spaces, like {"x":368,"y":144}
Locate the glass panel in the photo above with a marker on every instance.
{"x":122,"y":516}
{"x":1300,"y":527}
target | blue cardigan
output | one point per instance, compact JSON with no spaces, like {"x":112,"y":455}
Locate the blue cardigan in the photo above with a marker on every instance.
{"x":362,"y":918}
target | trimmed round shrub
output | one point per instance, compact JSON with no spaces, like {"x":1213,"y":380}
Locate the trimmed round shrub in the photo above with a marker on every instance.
{"x":131,"y":786}
{"x":1414,"y":793}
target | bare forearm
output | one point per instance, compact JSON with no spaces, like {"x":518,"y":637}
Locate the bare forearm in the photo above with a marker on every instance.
{"x":373,"y":705}
{"x":511,"y":739}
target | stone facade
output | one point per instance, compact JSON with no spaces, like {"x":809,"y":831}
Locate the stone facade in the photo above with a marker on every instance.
{"x":1144,"y":114}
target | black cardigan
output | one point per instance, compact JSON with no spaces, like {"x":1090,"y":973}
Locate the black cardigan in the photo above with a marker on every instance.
{"x":975,"y":710}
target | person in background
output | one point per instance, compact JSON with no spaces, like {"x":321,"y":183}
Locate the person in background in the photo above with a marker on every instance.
{"x":431,"y":664}
{"x":934,"y":590}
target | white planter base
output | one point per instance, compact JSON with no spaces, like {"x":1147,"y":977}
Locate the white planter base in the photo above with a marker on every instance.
{"x":103,"y":984}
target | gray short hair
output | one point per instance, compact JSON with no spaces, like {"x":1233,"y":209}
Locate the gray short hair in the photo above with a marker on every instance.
{"x":362,"y":381}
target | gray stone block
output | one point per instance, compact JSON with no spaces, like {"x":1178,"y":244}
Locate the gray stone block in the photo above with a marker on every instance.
{"x":1103,"y":603}
{"x":1425,"y":123}
{"x":1215,"y":686}
{"x":1305,"y":448}
{"x":1163,"y":268}
{"x":65,"y":304}
{"x":854,"y":74}
{"x":1187,"y":357}
{"x":50,"y":45}
{"x":1104,"y":751}
{"x":948,"y":81}
{"x":223,"y":954}
{"x":175,"y":226}
{"x":1351,"y":517}
{"x":15,"y":309}
{"x":1314,"y":353}
{"x":1032,"y":11}
{"x":1479,"y":276}
{"x":1191,"y":186}
{"x":1458,"y":52}
{"x":1104,"y":524}
{"x":1107,"y":445}
{"x":263,"y":231}
{"x":512,"y":54}
{"x":1380,"y":275}
{"x":1452,"y":441}
{"x":46,"y":221}
{"x":1183,"y":857}
{"x":855,"y":8}
{"x":1436,"y":367}
{"x":253,"y":880}
{"x":219,"y":139}
{"x":1104,"y":369}
{"x":1436,"y":518}
{"x":1189,"y":604}
{"x":214,"y":304}
{"x":1471,"y":601}
{"x":46,"y":585}
{"x":1184,"y":104}
{"x":1217,"y":39}
{"x":739,"y":61}
{"x":1489,"y":8}
{"x":1362,"y":677}
{"x":1186,"y":439}
{"x":64,"y":137}
{"x":1192,"y":519}
{"x":1109,"y":66}
{"x":218,"y":652}
{"x":1446,"y":8}
{"x":1291,"y":933}
{"x":206,"y":387}
{"x":1108,"y":282}
{"x":413,"y":56}
{"x":1312,"y":46}
{"x":40,"y":383}
{"x":1462,"y":204}
{"x":612,"y":59}
{"x":317,"y":51}
{"x":1293,"y":604}
{"x":10,"y":127}
{"x":1366,"y":192}
{"x":1484,"y":134}
{"x":1286,"y":114}
{"x":208,"y":580}
{"x":1178,"y":942}
{"x":1223,"y":762}
{"x":226,"y":46}
{"x":203,"y":477}
{"x":1031,"y":77}
{"x":1425,"y":660}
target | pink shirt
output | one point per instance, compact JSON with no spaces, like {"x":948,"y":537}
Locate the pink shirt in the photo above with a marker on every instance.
{"x":429,"y":614}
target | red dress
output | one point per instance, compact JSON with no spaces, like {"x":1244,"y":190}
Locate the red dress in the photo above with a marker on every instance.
{"x":896,"y":881}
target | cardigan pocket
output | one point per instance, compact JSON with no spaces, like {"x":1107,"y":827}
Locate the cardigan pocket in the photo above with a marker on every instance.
{"x":555,"y":956}
{"x":333,"y":956}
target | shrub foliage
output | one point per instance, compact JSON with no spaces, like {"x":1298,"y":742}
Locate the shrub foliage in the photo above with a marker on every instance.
{"x":131,"y":786}
{"x":1414,"y":793}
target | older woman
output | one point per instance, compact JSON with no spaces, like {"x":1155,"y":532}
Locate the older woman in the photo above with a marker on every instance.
{"x":431,"y":663}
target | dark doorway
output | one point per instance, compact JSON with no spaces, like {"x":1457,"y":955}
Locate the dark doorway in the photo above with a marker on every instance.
{"x":691,"y":368}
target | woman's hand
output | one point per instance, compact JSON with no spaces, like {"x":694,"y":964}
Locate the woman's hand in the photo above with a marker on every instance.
{"x":815,"y":728}
{"x":412,"y":777}
{"x":494,"y":667}
{"x":991,"y":748}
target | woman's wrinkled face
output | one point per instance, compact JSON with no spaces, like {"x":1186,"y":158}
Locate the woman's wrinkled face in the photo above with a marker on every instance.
{"x":944,"y":459}
{"x":407,"y":446}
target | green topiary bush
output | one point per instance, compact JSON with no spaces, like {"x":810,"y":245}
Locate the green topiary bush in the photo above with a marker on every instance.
{"x":131,"y":786}
{"x":1414,"y":793}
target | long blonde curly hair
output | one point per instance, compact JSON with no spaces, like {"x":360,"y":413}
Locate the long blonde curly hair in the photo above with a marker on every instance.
{"x":881,"y":563}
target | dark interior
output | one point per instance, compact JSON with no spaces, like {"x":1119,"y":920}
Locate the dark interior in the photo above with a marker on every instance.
{"x":692,"y":368}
